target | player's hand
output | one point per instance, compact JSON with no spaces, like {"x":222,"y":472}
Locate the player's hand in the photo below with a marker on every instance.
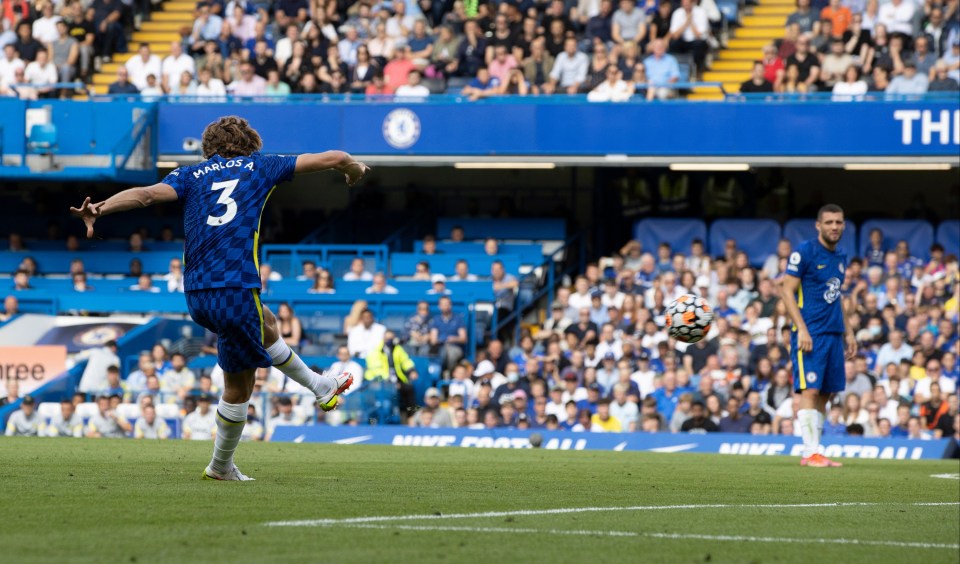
{"x":88,"y":213}
{"x":851,"y":341}
{"x":803,"y":340}
{"x":354,"y":171}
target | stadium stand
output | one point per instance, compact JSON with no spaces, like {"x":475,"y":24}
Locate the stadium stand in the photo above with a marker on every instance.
{"x":479,"y":49}
{"x":906,"y":328}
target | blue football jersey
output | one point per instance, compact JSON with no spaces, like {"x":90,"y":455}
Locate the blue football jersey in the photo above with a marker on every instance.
{"x":821,"y":274}
{"x":223,"y":200}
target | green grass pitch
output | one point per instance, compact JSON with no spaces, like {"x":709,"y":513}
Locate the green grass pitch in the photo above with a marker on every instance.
{"x":135,"y":501}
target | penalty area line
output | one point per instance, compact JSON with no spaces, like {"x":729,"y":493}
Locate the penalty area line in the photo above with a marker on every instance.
{"x":668,"y":536}
{"x":573,"y":510}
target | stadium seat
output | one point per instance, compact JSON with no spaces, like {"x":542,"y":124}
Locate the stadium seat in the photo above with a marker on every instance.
{"x":678,"y":232}
{"x":799,"y":230}
{"x":129,"y":411}
{"x":87,"y":410}
{"x":43,"y":139}
{"x":948,"y":235}
{"x":48,"y":409}
{"x":756,"y":237}
{"x":917,"y":233}
{"x":168,"y":411}
{"x":405,"y":264}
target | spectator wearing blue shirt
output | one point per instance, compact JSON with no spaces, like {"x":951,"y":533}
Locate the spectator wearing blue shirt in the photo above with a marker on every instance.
{"x":482,"y":85}
{"x":662,"y":70}
{"x":667,"y":396}
{"x":735,"y":421}
{"x":906,"y":263}
{"x":207,"y":25}
{"x":876,"y":249}
{"x":448,"y":335}
{"x":122,"y":84}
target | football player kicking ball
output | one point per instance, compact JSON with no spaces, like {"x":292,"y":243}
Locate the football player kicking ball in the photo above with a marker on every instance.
{"x":811,"y":293}
{"x":223,"y":199}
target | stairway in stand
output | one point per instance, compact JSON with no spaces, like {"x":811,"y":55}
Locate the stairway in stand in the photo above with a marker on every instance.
{"x":162,"y":29}
{"x":763,"y":24}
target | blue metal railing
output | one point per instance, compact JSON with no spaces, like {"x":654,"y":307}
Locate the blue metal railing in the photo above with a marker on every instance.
{"x":822,"y":97}
{"x":552,"y":268}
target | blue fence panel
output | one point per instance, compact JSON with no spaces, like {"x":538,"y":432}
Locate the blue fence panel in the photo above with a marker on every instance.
{"x":917,"y":233}
{"x":105,"y":262}
{"x":288,"y":259}
{"x":405,"y":264}
{"x":529,"y":253}
{"x":799,"y":230}
{"x":678,"y":232}
{"x":753,"y":236}
{"x":948,"y":235}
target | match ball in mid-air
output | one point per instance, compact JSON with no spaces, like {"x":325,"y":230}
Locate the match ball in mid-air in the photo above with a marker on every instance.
{"x":688,"y":318}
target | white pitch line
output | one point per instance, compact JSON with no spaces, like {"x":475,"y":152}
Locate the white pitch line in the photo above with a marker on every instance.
{"x":566,"y":510}
{"x":946,"y":476}
{"x":672,"y":536}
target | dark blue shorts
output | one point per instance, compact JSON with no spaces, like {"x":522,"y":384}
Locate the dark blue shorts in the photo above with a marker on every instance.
{"x":822,"y":368}
{"x":236,"y":316}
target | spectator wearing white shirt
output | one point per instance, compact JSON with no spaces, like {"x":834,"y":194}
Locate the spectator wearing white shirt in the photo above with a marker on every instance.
{"x":689,"y":32}
{"x":45,"y":27}
{"x":285,"y":416}
{"x":613,"y":89}
{"x":346,"y":364}
{"x":380,"y":286}
{"x":851,"y":87}
{"x":897,"y":16}
{"x":174,"y":65}
{"x":357,"y":272}
{"x":94,"y":377}
{"x":9,"y":64}
{"x":210,"y":86}
{"x":41,"y":72}
{"x":67,"y":423}
{"x":364,"y":336}
{"x":413,"y":88}
{"x":284,"y":46}
{"x":569,"y":70}
{"x":141,"y":65}
{"x":201,"y":423}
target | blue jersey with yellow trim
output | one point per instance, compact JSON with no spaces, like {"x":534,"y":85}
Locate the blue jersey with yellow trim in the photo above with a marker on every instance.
{"x":821,"y":274}
{"x":223,"y":200}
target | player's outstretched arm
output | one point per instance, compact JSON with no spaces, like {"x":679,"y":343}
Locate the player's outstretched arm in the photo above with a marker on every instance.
{"x":132,"y":198}
{"x":352,"y":169}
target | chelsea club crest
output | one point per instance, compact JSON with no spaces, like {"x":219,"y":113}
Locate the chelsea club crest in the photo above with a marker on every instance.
{"x":401,"y":128}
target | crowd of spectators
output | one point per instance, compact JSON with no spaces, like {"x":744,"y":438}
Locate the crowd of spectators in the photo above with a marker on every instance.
{"x":600,"y":360}
{"x":854,"y":47}
{"x":389,"y":47}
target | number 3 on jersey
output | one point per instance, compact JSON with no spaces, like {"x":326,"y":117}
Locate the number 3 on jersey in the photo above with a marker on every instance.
{"x":228,"y":187}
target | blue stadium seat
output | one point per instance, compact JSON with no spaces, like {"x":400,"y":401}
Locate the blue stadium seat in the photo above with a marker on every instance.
{"x":43,"y":139}
{"x":730,"y":10}
{"x":799,"y":230}
{"x":678,"y":232}
{"x":917,"y":233}
{"x":405,"y":264}
{"x":756,"y":237}
{"x":948,"y":235}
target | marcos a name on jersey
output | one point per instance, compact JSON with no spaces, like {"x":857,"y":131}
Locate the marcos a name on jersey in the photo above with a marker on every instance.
{"x":821,"y":274}
{"x":223,"y":200}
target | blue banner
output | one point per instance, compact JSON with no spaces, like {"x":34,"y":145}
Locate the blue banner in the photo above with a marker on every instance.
{"x":716,"y":443}
{"x":534,"y":127}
